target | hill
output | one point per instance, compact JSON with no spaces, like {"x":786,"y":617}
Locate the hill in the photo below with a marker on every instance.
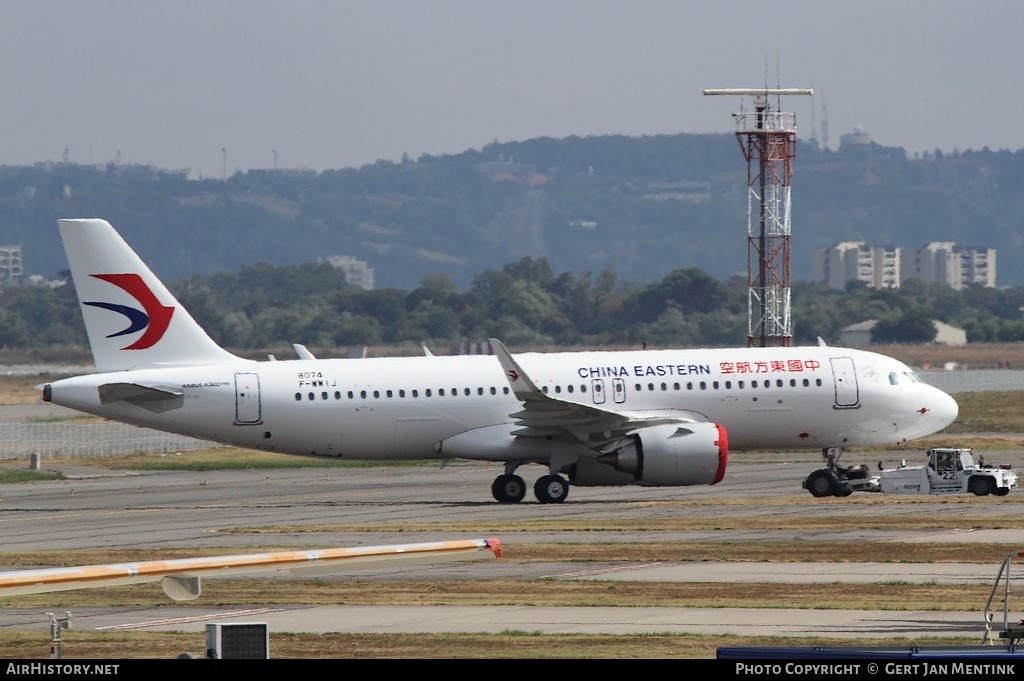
{"x":639,"y":207}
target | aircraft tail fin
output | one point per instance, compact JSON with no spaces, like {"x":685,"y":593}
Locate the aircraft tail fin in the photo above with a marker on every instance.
{"x":132,"y":320}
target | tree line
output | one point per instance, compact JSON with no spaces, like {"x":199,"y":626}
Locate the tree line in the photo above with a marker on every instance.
{"x":526,"y":304}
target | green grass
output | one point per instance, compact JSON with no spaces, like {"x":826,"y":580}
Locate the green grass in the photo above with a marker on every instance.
{"x":13,"y":476}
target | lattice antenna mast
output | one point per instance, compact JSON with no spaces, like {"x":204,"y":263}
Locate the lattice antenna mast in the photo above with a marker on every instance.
{"x":767,"y":139}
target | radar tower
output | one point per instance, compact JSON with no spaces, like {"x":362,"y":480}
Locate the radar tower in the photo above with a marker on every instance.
{"x":767,"y":139}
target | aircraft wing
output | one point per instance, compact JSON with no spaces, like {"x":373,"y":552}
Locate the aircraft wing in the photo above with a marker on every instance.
{"x":181,"y":578}
{"x":545,"y":416}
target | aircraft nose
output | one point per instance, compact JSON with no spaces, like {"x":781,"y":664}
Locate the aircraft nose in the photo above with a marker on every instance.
{"x":941,"y":407}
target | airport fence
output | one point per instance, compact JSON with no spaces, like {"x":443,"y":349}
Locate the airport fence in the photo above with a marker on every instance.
{"x":67,"y":439}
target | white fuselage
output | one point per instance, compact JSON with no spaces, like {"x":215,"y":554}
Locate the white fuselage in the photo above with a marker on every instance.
{"x":401,"y":408}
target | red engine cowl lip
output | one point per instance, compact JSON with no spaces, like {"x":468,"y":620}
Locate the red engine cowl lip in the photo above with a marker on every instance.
{"x":723,"y":453}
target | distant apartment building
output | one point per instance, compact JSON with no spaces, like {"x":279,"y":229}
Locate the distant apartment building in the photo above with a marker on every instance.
{"x":978,"y":266}
{"x":877,"y":266}
{"x":944,"y":262}
{"x":357,"y":272}
{"x":885,"y":267}
{"x":11,"y":266}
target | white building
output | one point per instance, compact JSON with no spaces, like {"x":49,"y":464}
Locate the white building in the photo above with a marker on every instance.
{"x":945,"y":263}
{"x":877,"y":266}
{"x":357,"y":272}
{"x":859,"y":334}
{"x":881,"y":267}
{"x":11,"y":265}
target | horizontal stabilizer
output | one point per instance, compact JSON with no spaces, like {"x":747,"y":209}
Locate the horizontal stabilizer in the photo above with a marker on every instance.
{"x":135,"y":393}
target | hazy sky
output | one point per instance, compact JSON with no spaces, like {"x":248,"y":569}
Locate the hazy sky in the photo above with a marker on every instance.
{"x":217,"y":85}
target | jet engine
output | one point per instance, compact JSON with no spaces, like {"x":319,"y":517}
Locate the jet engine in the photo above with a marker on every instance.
{"x":660,"y":456}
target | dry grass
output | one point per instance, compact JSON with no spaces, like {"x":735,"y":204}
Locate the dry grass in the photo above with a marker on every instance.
{"x":253,"y":592}
{"x":21,"y":389}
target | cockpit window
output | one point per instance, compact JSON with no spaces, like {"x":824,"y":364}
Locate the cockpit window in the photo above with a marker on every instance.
{"x":904,"y":377}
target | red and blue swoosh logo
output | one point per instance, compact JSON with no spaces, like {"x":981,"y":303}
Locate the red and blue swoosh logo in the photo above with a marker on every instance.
{"x":153,"y":317}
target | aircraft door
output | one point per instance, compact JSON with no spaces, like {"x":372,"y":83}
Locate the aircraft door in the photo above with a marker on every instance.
{"x":619,"y":390}
{"x":597,"y":390}
{"x":845,"y":378}
{"x":247,"y":399}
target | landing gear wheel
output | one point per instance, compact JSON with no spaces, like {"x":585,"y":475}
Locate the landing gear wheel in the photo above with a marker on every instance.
{"x":551,"y":489}
{"x":843,"y":489}
{"x":822,"y":483}
{"x":508,"y":489}
{"x":1001,"y":491}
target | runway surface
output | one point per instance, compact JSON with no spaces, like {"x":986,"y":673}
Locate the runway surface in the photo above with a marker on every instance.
{"x":222,"y":512}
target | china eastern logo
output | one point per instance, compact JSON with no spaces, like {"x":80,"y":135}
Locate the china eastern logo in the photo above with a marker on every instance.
{"x":153,"y":317}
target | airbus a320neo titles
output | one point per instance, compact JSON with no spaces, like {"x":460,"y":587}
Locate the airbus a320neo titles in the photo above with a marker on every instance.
{"x":635,"y":417}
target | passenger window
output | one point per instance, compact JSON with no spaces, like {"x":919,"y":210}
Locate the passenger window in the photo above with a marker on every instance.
{"x":298,"y":396}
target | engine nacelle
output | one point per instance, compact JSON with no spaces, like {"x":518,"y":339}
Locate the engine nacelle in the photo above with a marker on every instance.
{"x":661,"y":456}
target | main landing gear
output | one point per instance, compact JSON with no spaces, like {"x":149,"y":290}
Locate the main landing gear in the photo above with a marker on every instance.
{"x":510,"y":488}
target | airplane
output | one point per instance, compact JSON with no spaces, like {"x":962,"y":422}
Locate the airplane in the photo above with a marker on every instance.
{"x":181,"y":578}
{"x":593,"y":418}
